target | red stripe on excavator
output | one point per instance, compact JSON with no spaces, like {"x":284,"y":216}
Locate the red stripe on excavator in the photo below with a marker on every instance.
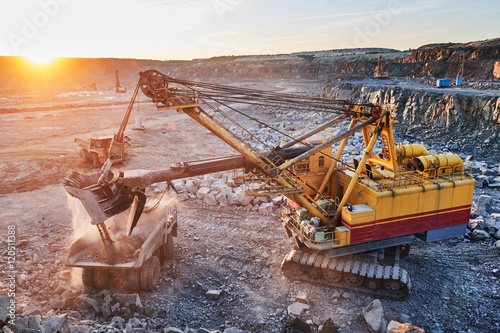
{"x":404,"y":217}
{"x":375,"y":230}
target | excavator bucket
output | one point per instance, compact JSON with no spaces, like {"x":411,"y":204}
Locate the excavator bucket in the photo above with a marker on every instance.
{"x":104,"y":199}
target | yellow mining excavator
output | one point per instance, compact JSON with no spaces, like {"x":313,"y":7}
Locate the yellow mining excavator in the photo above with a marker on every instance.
{"x":346,"y":210}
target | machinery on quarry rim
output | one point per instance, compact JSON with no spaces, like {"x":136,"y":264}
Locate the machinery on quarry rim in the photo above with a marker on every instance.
{"x":352,"y":214}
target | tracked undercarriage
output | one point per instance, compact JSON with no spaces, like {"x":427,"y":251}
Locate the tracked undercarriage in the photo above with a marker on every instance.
{"x":353,"y":273}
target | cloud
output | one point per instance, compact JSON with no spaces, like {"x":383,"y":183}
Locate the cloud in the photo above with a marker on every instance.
{"x":330,"y":16}
{"x":364,"y":14}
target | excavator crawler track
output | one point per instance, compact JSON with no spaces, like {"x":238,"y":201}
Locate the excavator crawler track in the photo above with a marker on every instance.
{"x":389,"y":282}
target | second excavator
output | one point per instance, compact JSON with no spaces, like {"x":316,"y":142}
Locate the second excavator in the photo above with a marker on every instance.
{"x":352,"y":215}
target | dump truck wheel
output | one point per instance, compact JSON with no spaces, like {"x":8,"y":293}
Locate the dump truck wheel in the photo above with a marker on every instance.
{"x":95,"y":161}
{"x":159,"y":253}
{"x":150,"y":274}
{"x":85,"y":156}
{"x":133,"y":280}
{"x":101,"y":278}
{"x":168,"y":248}
{"x":88,"y":277}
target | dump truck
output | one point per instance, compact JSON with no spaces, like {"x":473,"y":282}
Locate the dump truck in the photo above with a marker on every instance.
{"x":352,"y":215}
{"x":113,"y":148}
{"x":95,"y":150}
{"x":134,"y":261}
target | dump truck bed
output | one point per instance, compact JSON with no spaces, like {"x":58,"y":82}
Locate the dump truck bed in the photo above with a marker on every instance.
{"x":150,"y":234}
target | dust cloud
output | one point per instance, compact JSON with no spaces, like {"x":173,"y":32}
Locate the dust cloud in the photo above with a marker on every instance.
{"x":80,"y":220}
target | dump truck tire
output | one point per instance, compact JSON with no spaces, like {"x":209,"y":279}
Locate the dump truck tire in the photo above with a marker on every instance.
{"x":88,"y":277}
{"x":95,"y":161}
{"x":85,"y":156}
{"x":150,"y":274}
{"x":168,"y":248}
{"x":133,"y":280}
{"x":101,"y":278}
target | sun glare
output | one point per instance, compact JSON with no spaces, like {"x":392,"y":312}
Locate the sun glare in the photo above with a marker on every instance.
{"x":40,"y":59}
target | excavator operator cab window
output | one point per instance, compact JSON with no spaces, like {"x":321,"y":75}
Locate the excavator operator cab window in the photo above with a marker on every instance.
{"x":321,"y":161}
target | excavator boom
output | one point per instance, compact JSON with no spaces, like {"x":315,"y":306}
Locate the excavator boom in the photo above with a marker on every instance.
{"x":108,"y":192}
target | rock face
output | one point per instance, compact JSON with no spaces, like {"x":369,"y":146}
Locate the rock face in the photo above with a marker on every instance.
{"x":496,"y":69}
{"x":431,"y":114}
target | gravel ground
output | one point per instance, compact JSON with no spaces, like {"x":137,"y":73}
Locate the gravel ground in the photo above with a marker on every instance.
{"x":455,"y":287}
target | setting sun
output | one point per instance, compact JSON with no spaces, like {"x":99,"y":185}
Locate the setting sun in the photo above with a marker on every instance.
{"x":40,"y":59}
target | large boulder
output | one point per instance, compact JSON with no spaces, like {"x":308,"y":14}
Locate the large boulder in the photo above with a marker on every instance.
{"x":396,"y":327}
{"x":202,"y":192}
{"x":278,"y":200}
{"x":178,"y":184}
{"x":484,"y":202}
{"x":219,"y":185}
{"x":240,"y":199}
{"x":191,"y":187}
{"x":477,"y":223}
{"x":4,"y":308}
{"x":84,"y":302}
{"x":24,"y":323}
{"x":56,"y":324}
{"x":479,"y":235}
{"x":210,"y":200}
{"x":296,"y":309}
{"x":213,"y":294}
{"x":128,"y":299}
{"x":266,"y":208}
{"x":374,"y":317}
{"x":221,"y":198}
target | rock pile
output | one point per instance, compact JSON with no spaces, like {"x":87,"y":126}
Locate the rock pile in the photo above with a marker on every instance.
{"x":373,"y":314}
{"x":484,"y":224}
{"x":111,"y":313}
{"x":219,"y":190}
